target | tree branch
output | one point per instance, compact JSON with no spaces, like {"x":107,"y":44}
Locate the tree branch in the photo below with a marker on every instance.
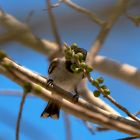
{"x":82,"y":109}
{"x":102,"y":64}
{"x":53,"y":25}
{"x":118,"y":10}
{"x":91,"y":15}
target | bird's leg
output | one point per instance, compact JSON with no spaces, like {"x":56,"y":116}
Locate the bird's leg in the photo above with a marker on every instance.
{"x":76,"y":96}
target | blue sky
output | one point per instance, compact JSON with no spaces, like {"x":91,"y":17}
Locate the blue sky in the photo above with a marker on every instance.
{"x":122,"y":45}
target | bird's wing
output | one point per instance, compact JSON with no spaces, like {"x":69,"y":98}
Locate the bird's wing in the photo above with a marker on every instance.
{"x":53,"y":65}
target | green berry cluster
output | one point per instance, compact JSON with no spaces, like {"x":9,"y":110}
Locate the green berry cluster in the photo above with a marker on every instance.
{"x":79,"y":64}
{"x":101,"y":88}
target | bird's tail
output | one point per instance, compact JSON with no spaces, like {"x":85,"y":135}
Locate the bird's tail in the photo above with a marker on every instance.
{"x":52,"y":110}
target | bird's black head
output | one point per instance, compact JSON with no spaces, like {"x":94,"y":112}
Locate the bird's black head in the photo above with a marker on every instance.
{"x":81,"y":50}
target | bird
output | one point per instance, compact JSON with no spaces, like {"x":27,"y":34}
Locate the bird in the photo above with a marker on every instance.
{"x":61,"y":74}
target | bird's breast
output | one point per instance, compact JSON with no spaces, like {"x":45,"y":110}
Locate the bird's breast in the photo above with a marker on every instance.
{"x":65,"y":79}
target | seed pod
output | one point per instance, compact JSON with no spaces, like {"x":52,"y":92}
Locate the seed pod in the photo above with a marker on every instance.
{"x":80,"y":56}
{"x":83,"y":65}
{"x":74,"y":46}
{"x":89,"y":69}
{"x":107,"y":91}
{"x":95,"y":83}
{"x":96,"y":93}
{"x":103,"y":87}
{"x":74,"y":67}
{"x":100,"y":80}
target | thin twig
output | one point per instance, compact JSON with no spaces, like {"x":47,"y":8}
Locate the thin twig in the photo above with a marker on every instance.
{"x":67,"y":126}
{"x":53,"y":25}
{"x":137,"y":113}
{"x":54,"y":5}
{"x":100,"y":129}
{"x":78,"y":8}
{"x":89,"y":127}
{"x":20,"y":115}
{"x":29,"y":16}
{"x":129,"y":138}
{"x":113,"y":101}
{"x":10,"y":93}
{"x":15,"y":75}
{"x":13,"y":93}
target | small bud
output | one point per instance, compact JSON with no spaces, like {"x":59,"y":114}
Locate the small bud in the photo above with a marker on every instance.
{"x":103,"y":87}
{"x":74,"y":46}
{"x":83,"y":65}
{"x":2,"y":55}
{"x":80,"y":56}
{"x":73,"y":67}
{"x":89,"y":69}
{"x":100,"y":80}
{"x":69,"y":54}
{"x":37,"y":89}
{"x":78,"y":70}
{"x":95,"y":83}
{"x":76,"y":56}
{"x":7,"y":65}
{"x":107,"y":91}
{"x":96,"y":93}
{"x":27,"y":87}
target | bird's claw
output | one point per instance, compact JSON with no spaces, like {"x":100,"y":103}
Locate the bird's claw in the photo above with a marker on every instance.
{"x":50,"y":82}
{"x":75,"y":98}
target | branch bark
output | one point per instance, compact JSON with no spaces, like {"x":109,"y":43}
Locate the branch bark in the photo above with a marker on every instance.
{"x":102,"y":64}
{"x":82,"y":109}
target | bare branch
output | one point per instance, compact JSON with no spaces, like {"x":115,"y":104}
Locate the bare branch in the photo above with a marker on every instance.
{"x":29,"y":16}
{"x":108,"y":66}
{"x":89,"y":127}
{"x":53,"y":25}
{"x":23,"y":34}
{"x":91,"y":15}
{"x":125,"y":72}
{"x":118,"y":10}
{"x":20,"y":115}
{"x":129,"y":138}
{"x":13,"y":93}
{"x":33,"y":77}
{"x":82,"y":109}
{"x":102,"y":129}
{"x":67,"y":126}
